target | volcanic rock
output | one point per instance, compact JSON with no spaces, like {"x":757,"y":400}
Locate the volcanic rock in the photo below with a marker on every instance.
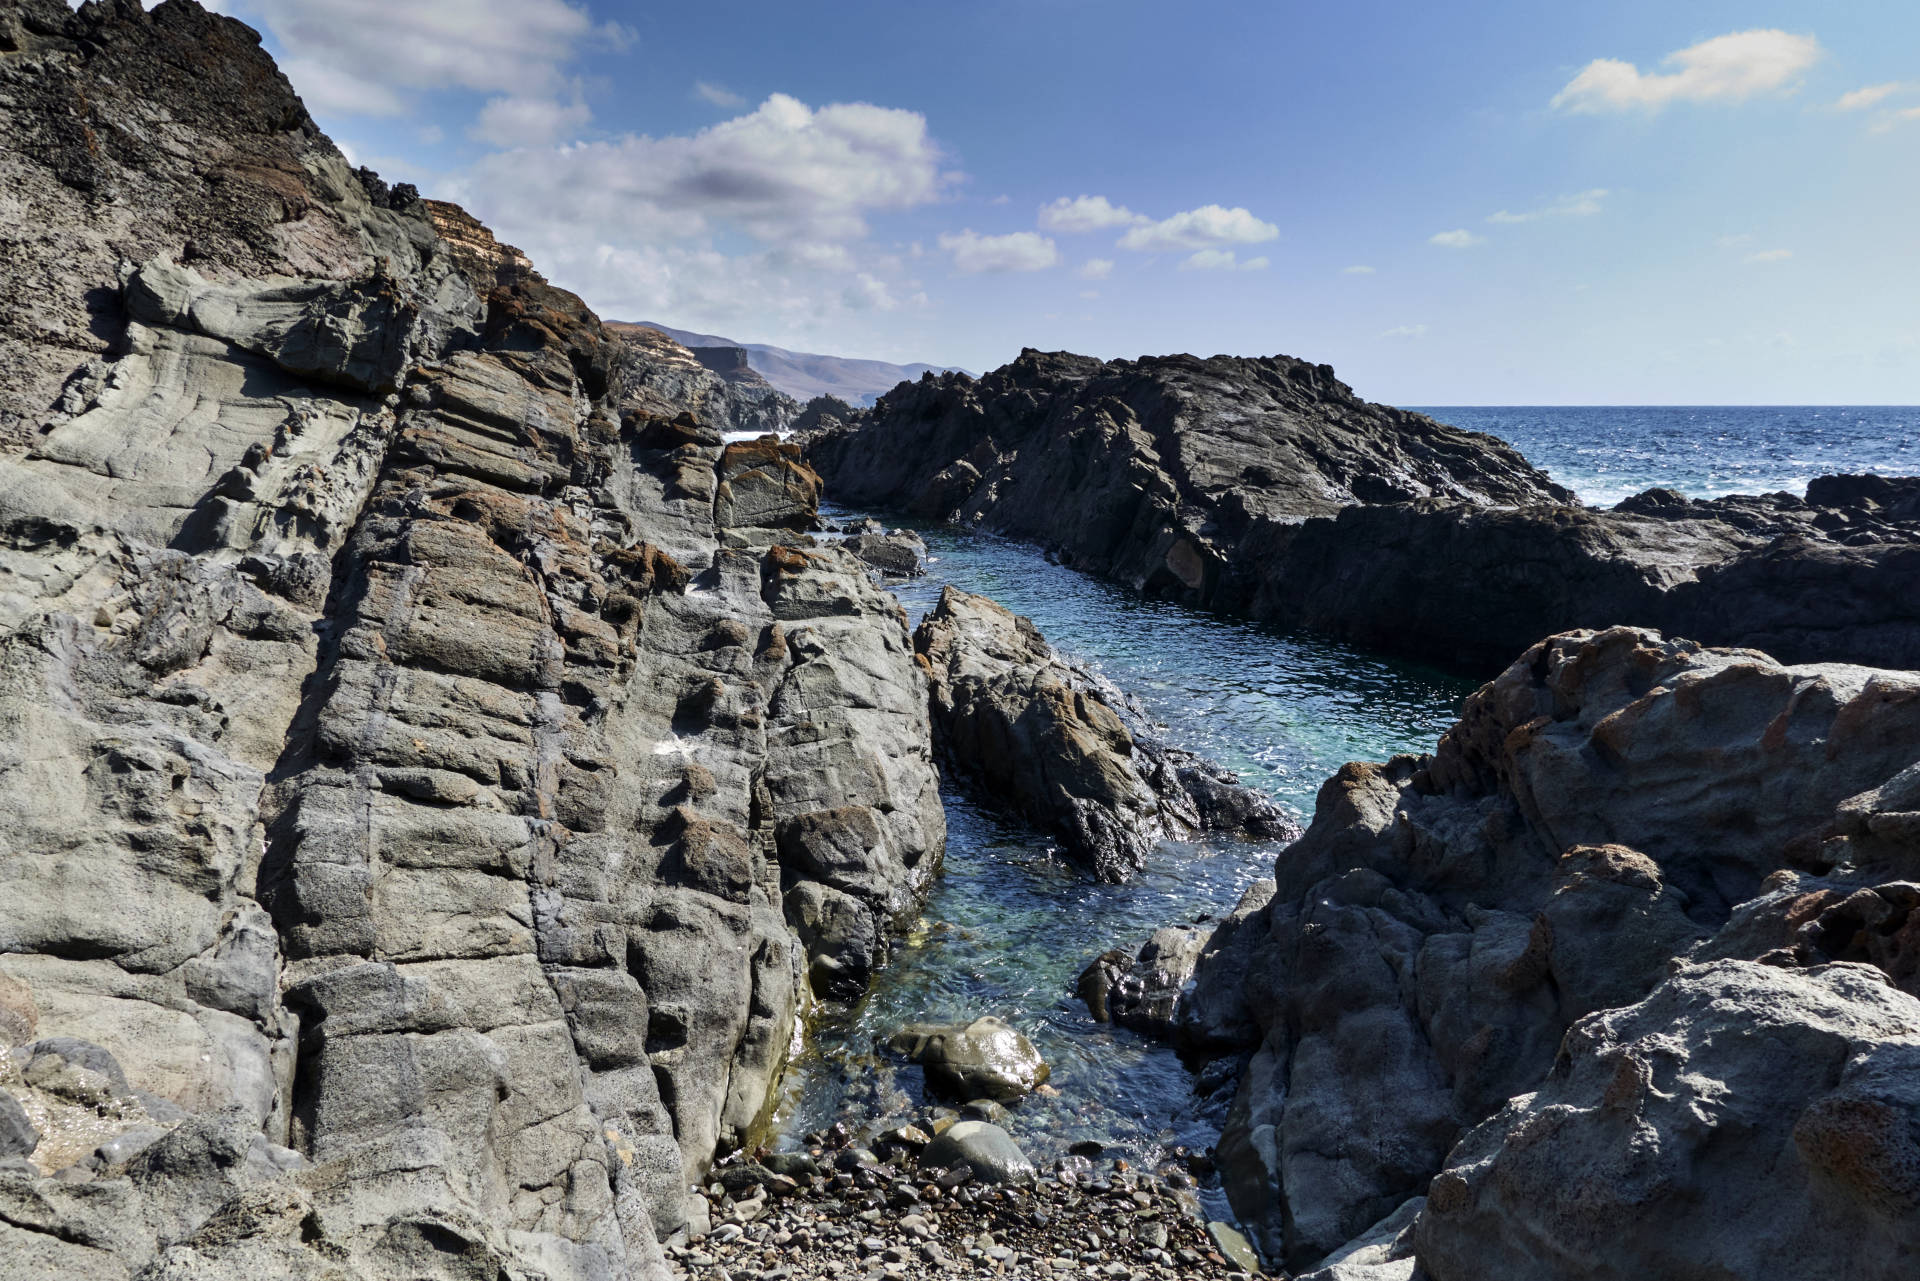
{"x":1613,"y":802}
{"x":1742,"y":1121}
{"x":1044,"y":738}
{"x":1265,"y":487}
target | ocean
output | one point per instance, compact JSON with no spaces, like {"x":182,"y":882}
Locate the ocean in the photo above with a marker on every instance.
{"x":1606,"y":453}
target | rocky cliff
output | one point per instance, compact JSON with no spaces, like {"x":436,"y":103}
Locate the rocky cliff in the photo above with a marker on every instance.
{"x":1642,"y":928}
{"x":714,"y":383}
{"x":1267,"y":488}
{"x":415,"y":739}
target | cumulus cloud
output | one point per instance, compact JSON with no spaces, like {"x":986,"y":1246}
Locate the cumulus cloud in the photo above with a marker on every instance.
{"x":528,"y":122}
{"x":1096,"y":268}
{"x":1208,"y":227}
{"x":1458,"y":238}
{"x":784,"y":172}
{"x":360,"y":57}
{"x":1870,"y":96}
{"x":1405,"y":331}
{"x":1770,"y":255}
{"x":1221,"y":260}
{"x":974,"y":253}
{"x":1358,"y":269}
{"x":1730,"y":68}
{"x":718,"y":95}
{"x":1086,"y":213}
{"x":1583,"y":205}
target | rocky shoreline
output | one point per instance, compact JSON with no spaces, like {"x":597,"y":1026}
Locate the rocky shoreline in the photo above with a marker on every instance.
{"x":443,"y":776}
{"x":896,"y":1213}
{"x":1267,"y":488}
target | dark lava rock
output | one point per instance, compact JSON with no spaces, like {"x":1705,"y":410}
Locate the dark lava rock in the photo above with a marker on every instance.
{"x":1265,"y":487}
{"x":1046,"y":739}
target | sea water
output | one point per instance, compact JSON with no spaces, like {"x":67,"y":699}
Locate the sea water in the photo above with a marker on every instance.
{"x":1605,"y":454}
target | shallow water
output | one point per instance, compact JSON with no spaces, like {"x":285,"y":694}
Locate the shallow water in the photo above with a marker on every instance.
{"x":1010,"y":926}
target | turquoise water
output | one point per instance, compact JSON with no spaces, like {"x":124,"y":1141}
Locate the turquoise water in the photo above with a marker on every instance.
{"x":1010,"y":926}
{"x":1607,"y":453}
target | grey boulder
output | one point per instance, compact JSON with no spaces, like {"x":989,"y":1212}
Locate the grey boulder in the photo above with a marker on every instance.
{"x":987,"y":1058}
{"x":986,"y":1149}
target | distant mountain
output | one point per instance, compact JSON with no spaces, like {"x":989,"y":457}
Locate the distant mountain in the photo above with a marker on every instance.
{"x":804,"y":375}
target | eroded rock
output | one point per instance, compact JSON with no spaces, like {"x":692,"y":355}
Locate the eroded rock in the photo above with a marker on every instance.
{"x":1044,"y":739}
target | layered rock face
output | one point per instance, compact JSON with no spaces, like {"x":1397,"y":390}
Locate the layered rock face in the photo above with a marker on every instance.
{"x":1046,"y":740}
{"x":1266,"y":488}
{"x":1152,"y":471}
{"x":1456,"y":929}
{"x":414,"y":753}
{"x":714,"y":383}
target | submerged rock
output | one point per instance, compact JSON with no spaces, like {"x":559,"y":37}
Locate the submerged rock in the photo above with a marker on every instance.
{"x":985,"y":1059}
{"x":1143,"y":991}
{"x":1044,"y":739}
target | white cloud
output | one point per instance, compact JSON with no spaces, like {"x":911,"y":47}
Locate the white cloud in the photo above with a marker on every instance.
{"x":1001,"y":200}
{"x":361,"y":57}
{"x":869,"y":293}
{"x":1730,"y":68}
{"x":1737,"y":241}
{"x":1090,"y":294}
{"x":1871,"y":96}
{"x":1208,"y":227}
{"x":1356,"y":270}
{"x":1096,"y":268}
{"x":1459,"y":238}
{"x":1017,"y":251}
{"x":1405,"y":331}
{"x":718,"y":95}
{"x":528,"y":122}
{"x":785,"y":172}
{"x":1585,"y":204}
{"x":1770,"y":255}
{"x":1086,"y":213}
{"x":1221,"y":260}
{"x":1896,"y":117}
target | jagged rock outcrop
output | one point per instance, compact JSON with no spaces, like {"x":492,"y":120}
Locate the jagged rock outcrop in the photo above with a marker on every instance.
{"x":1833,"y":577}
{"x":410,"y":749}
{"x":714,"y":383}
{"x":1742,"y":1121}
{"x":1267,"y":488}
{"x":1045,"y":739}
{"x":1612,"y":802}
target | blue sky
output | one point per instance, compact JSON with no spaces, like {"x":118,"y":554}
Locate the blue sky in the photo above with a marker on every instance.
{"x":1501,"y":203}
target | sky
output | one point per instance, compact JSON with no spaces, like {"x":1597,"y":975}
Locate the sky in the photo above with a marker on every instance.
{"x":1496,"y":203}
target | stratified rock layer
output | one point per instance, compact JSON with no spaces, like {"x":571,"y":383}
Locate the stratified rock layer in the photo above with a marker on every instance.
{"x":1265,"y":487}
{"x":410,"y":751}
{"x":1612,"y":802}
{"x":1045,"y":739}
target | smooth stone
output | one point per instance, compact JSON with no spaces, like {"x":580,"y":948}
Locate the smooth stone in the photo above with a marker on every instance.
{"x":987,"y":1150}
{"x":987,"y":1058}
